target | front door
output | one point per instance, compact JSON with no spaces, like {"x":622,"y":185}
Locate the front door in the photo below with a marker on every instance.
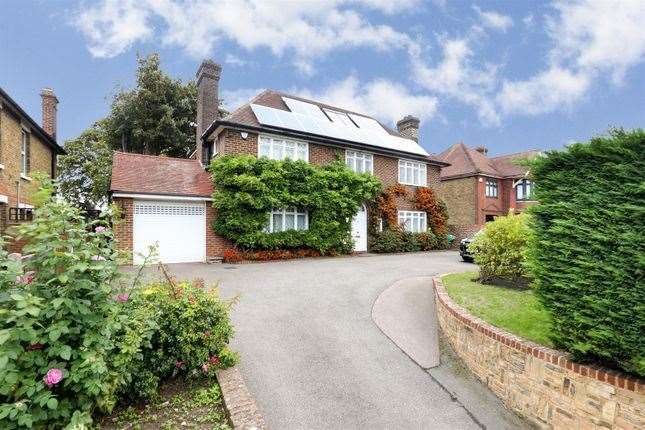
{"x":359,"y":230}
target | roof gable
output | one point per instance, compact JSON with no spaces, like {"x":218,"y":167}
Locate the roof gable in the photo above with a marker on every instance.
{"x":466,"y":161}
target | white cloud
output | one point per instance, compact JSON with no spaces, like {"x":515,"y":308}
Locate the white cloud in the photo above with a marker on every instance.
{"x":551,"y":90}
{"x":234,"y":60}
{"x":594,"y":35}
{"x":233,"y":99}
{"x":305,"y":29}
{"x":386,"y":100}
{"x":113,"y":26}
{"x":389,"y":6}
{"x":457,"y":77}
{"x":529,"y":20}
{"x":494,"y":20}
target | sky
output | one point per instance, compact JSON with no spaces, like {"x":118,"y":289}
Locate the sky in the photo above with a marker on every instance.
{"x":509,"y":75}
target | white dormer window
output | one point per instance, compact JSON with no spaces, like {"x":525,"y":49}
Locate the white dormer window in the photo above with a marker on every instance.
{"x":277,"y":148}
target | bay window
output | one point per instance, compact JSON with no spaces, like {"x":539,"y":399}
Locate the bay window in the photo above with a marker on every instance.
{"x":491,"y":188}
{"x":359,"y":162}
{"x":412,"y":173}
{"x":287,"y":219}
{"x":277,"y":148}
{"x":524,"y":190}
{"x":413,"y":221}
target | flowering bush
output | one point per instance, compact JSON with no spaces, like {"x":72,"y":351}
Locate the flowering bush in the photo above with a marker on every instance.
{"x":234,"y":256}
{"x":63,"y":342}
{"x":191,"y":336}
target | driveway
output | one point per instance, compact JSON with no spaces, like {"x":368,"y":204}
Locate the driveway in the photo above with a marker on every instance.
{"x":314,"y":359}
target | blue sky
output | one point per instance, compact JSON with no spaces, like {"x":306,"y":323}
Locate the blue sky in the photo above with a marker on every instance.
{"x":510,"y":75}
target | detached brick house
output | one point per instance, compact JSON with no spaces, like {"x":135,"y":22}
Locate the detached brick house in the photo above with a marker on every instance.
{"x":477,"y":188}
{"x":167,"y":200}
{"x":25,"y":148}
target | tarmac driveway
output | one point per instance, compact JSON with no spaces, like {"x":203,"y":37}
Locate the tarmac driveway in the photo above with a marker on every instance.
{"x":314,"y":359}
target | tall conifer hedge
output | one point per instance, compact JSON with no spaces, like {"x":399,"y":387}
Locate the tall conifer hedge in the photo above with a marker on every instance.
{"x":588,"y":253}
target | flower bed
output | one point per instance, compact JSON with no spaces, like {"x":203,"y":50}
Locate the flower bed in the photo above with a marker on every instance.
{"x":235,"y":256}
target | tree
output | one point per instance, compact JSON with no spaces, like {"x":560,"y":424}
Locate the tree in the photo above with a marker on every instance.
{"x":84,"y":172}
{"x":156,"y":117}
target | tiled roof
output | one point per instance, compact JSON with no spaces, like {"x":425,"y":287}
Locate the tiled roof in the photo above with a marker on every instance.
{"x":466,"y":161}
{"x":273,"y":99}
{"x":148,"y":174}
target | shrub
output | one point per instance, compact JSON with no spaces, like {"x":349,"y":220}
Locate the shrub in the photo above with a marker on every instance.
{"x":231,"y":256}
{"x":192,"y":331}
{"x":500,"y":249}
{"x":396,"y":240}
{"x":64,"y":335}
{"x":586,"y":257}
{"x":247,"y":188}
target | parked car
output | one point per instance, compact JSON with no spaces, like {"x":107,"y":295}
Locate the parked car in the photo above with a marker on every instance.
{"x":465,"y":253}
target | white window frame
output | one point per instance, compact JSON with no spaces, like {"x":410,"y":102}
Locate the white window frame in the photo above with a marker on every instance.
{"x":23,"y":153}
{"x":410,"y":168}
{"x":494,"y":189}
{"x":274,"y":141}
{"x":522,"y":185}
{"x":287,"y":211}
{"x":356,"y":157}
{"x":407,"y":220}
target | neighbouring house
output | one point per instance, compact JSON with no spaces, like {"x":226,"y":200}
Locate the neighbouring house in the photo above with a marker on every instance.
{"x":25,"y":148}
{"x":167,"y":200}
{"x":476,"y":188}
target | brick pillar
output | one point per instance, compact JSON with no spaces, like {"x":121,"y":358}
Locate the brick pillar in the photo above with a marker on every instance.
{"x":409,"y":127}
{"x":208,"y":76}
{"x":50,"y":111}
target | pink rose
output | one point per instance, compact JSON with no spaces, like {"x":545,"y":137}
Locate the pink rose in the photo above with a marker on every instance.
{"x":100,"y":229}
{"x":26,"y":279}
{"x":214,"y":360}
{"x":98,"y":258}
{"x":179,"y":364}
{"x":53,"y":377}
{"x":205,"y":367}
{"x":123,"y":297}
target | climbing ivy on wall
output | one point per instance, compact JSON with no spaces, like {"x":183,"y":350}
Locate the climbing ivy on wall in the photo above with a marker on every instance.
{"x":248,"y":188}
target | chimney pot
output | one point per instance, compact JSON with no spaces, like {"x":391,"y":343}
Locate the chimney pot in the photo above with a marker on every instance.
{"x":482,"y":149}
{"x":409,"y":127}
{"x":49,"y":111}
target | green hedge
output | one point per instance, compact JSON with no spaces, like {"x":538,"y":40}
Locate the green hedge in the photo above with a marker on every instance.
{"x":587,"y":256}
{"x":248,"y":188}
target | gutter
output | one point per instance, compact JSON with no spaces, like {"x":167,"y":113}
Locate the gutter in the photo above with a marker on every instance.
{"x":156,"y":196}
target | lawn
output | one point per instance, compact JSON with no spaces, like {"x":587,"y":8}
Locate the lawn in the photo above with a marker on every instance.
{"x":514,"y":310}
{"x":180,"y":404}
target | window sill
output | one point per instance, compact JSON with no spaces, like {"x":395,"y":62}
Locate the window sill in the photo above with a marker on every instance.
{"x":526,"y":201}
{"x":413,"y":185}
{"x":25,"y":177}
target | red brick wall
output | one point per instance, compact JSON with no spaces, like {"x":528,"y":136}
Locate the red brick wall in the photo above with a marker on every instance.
{"x":123,"y":227}
{"x":215,"y":244}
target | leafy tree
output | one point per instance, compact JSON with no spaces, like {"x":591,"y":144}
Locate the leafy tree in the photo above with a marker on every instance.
{"x":156,"y":117}
{"x":84,"y":172}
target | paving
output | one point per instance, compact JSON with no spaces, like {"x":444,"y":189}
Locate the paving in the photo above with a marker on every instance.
{"x":314,"y":359}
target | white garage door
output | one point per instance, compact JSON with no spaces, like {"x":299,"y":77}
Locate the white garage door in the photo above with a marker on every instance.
{"x":179,"y":229}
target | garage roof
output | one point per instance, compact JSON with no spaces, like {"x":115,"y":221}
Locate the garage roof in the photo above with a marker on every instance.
{"x":149,"y":174}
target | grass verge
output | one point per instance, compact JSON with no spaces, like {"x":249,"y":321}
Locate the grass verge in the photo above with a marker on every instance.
{"x":185,"y":405}
{"x":516,"y":311}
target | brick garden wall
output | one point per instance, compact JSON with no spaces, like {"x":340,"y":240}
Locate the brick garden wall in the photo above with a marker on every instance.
{"x":123,"y":228}
{"x":539,"y":383}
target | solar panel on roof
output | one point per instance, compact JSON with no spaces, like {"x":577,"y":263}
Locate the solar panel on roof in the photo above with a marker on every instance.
{"x":304,"y":108}
{"x":323,"y":127}
{"x":368,"y":124}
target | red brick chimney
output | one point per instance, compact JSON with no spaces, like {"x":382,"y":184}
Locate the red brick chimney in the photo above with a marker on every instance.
{"x":50,"y":110}
{"x":409,"y":127}
{"x":208,"y":76}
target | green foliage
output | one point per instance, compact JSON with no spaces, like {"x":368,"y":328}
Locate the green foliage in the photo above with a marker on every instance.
{"x":58,"y":315}
{"x":73,"y":338}
{"x":84,"y":172}
{"x":397,"y":240}
{"x":500,"y":249}
{"x":155,"y":117}
{"x":587,"y":254}
{"x":192,"y":330}
{"x":247,"y":188}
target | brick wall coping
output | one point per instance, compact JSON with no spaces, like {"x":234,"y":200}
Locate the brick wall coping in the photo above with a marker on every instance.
{"x":238,"y":400}
{"x":559,"y":358}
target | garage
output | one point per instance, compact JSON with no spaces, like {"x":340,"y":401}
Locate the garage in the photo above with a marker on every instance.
{"x":177,"y":227}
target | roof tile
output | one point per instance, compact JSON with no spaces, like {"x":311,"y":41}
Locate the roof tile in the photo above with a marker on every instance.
{"x":149,"y":174}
